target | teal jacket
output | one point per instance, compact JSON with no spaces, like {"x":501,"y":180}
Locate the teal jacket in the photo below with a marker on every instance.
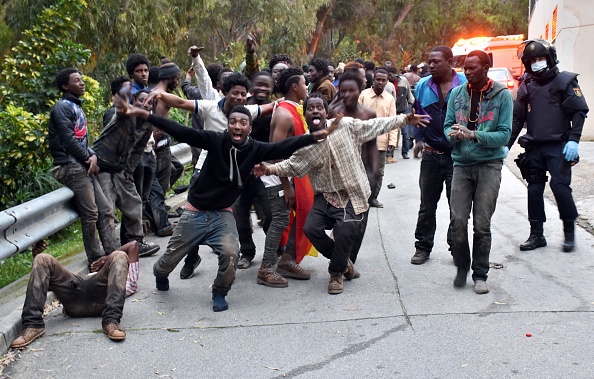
{"x":493,"y":128}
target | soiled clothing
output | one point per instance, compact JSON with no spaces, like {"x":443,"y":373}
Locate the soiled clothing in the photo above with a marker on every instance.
{"x":120,"y":145}
{"x":477,"y":171}
{"x":334,"y":165}
{"x":101,"y":294}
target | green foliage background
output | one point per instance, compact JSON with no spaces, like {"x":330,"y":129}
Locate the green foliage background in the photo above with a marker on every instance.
{"x":40,"y":37}
{"x":27,"y":94}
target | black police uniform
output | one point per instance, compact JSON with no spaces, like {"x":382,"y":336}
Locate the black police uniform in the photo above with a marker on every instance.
{"x":553,"y":107}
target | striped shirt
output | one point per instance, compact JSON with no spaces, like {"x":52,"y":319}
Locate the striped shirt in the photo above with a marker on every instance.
{"x":334,"y":165}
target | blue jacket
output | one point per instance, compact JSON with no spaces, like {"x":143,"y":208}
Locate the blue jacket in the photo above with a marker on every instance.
{"x":426,"y":102}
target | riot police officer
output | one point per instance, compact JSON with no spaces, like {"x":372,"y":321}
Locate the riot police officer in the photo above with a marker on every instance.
{"x":553,"y":107}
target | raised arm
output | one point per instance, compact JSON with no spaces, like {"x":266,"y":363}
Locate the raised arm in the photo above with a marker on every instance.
{"x":251,"y":58}
{"x":194,"y":137}
{"x":170,"y":100}
{"x":204,"y":83}
{"x":299,"y":164}
{"x":370,"y":129}
{"x":285,"y":148}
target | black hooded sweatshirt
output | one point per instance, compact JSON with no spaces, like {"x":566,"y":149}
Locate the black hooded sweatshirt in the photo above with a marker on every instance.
{"x":226,"y":166}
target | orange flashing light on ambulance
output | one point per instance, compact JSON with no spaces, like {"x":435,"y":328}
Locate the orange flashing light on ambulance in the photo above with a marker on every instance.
{"x":503,"y":51}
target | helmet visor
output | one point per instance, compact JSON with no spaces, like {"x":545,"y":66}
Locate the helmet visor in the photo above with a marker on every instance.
{"x":522,"y":47}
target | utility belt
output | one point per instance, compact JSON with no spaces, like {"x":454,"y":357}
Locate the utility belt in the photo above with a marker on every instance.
{"x":531,"y":175}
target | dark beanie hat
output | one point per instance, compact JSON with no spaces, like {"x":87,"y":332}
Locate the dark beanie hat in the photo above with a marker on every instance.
{"x":168,"y":70}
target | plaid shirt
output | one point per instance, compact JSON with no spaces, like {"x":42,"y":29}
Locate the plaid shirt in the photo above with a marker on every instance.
{"x":334,"y":165}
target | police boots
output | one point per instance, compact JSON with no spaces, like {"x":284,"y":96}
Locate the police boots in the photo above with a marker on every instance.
{"x":536,"y":238}
{"x":569,"y":230}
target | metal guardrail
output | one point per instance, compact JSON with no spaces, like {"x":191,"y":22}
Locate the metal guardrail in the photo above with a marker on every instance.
{"x":24,"y":225}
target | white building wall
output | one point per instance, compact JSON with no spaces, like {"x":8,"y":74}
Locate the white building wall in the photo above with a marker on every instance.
{"x":574,"y":43}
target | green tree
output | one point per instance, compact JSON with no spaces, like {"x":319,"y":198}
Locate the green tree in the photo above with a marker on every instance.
{"x":27,"y":93}
{"x":28,"y":72}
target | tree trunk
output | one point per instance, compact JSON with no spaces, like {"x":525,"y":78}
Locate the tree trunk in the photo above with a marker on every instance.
{"x":403,"y":13}
{"x":341,"y":35}
{"x":315,"y":39}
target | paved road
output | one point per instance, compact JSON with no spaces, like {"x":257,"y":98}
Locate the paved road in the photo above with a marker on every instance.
{"x":396,"y":321}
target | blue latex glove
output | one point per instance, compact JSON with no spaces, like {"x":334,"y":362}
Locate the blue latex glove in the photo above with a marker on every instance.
{"x":506,"y":150}
{"x":570,"y":151}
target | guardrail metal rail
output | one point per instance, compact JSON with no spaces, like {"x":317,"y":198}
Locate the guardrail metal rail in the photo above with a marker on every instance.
{"x":22,"y":226}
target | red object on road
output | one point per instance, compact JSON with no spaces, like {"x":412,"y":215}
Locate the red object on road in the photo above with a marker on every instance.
{"x":528,"y":334}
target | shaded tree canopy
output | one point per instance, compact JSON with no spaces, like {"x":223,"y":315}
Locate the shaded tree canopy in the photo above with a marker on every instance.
{"x":400,"y":30}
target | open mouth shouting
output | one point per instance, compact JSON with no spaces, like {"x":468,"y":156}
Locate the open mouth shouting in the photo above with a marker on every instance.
{"x":239,"y":126}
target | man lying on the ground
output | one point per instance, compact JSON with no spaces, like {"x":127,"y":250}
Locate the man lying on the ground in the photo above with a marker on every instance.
{"x":100,"y":293}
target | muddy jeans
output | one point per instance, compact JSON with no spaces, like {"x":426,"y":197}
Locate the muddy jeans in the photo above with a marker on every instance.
{"x":102,"y":294}
{"x":93,"y":207}
{"x":213,"y":228}
{"x":475,"y":187}
{"x":123,"y":195}
{"x":279,"y":220}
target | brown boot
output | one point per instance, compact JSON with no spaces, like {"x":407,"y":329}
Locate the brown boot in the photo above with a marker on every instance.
{"x":268,"y":276}
{"x":27,"y":336}
{"x":335,"y":285}
{"x":288,"y":268}
{"x":350,"y":272}
{"x":114,"y":331}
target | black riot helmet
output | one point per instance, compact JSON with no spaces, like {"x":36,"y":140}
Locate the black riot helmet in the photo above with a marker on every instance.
{"x":535,"y":48}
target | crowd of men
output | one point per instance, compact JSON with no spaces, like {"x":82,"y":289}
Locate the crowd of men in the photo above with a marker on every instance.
{"x":306,"y":148}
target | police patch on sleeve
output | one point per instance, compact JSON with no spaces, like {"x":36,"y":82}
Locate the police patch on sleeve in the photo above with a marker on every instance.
{"x":578,"y":92}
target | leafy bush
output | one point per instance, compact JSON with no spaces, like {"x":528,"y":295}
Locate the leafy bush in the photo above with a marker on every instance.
{"x":27,"y":75}
{"x":23,"y":156}
{"x":27,"y":94}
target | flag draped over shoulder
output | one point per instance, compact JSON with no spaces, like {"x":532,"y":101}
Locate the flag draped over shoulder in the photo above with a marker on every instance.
{"x":304,"y":194}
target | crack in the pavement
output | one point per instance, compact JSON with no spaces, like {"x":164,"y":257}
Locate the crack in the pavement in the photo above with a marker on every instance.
{"x":394,"y":277}
{"x":536,"y":271}
{"x":351,"y":349}
{"x":477,"y":313}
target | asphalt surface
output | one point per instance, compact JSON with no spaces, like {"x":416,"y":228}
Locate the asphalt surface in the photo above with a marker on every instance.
{"x":397,"y":321}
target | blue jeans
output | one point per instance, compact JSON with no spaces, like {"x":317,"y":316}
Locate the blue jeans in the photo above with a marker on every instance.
{"x":436,"y":169}
{"x":279,"y":220}
{"x":475,"y":187}
{"x":213,"y":228}
{"x":407,"y":134}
